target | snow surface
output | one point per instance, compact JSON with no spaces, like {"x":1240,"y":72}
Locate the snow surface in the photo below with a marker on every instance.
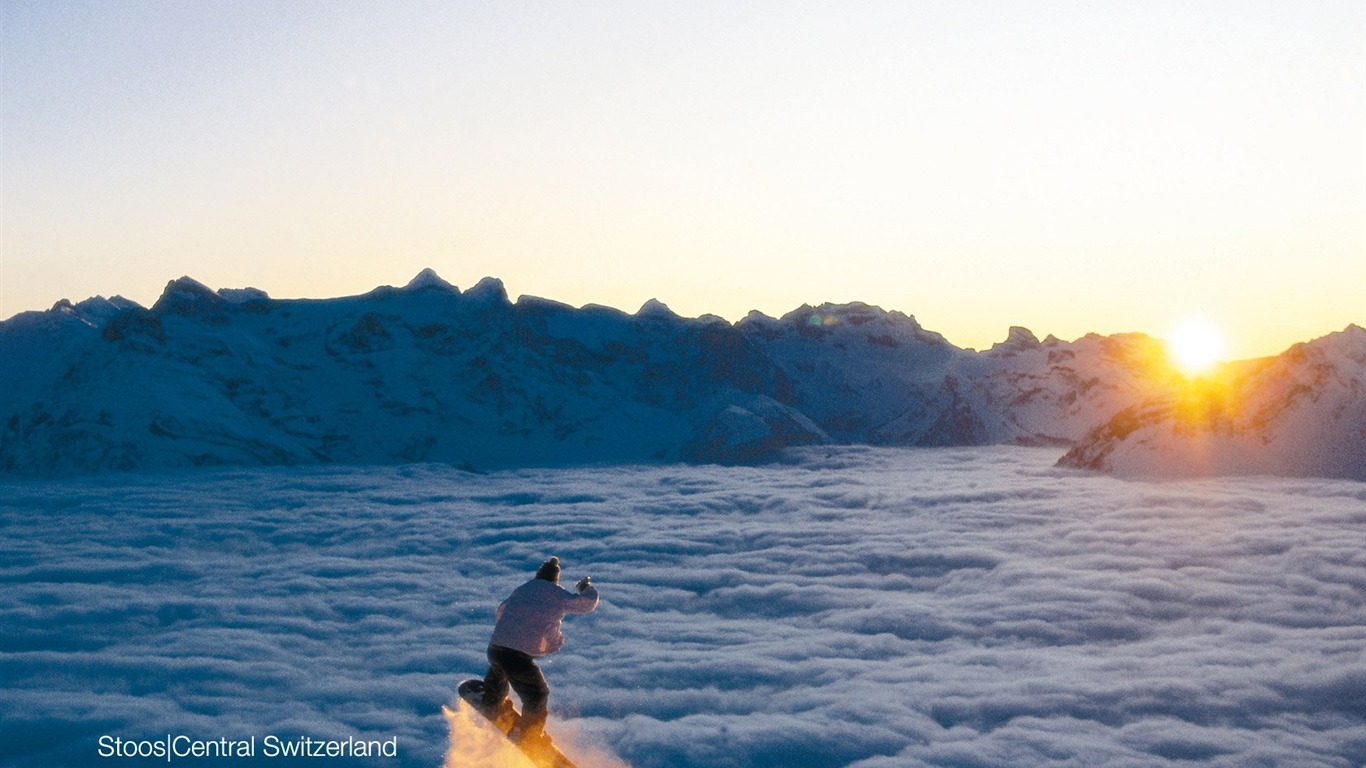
{"x":850,"y":608}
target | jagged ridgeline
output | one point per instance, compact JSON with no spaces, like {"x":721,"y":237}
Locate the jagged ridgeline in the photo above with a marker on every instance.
{"x":430,"y":373}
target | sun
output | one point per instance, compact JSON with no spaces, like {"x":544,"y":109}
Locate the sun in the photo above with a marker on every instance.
{"x":1195,"y":346}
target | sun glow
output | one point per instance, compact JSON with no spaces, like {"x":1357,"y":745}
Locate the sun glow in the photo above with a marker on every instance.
{"x":1195,"y":346}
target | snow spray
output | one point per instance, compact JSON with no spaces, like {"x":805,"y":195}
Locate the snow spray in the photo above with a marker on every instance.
{"x":476,"y":743}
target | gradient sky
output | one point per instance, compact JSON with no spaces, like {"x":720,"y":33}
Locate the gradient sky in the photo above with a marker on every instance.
{"x":1066,"y":166}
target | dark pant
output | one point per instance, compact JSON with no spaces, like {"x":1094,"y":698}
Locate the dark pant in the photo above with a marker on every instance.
{"x":507,"y":666}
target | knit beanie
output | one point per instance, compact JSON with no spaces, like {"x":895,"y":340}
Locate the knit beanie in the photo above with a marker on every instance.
{"x":550,"y":570}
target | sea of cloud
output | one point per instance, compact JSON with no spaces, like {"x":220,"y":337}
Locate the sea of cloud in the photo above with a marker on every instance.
{"x":848,"y":608}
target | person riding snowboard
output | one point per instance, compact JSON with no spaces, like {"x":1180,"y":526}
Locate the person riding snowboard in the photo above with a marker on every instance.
{"x":528,"y":627}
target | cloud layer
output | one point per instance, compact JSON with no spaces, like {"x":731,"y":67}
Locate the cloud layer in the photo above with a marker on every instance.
{"x":853,"y":607}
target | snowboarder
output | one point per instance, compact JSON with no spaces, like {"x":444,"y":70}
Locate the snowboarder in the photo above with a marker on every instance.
{"x":528,"y":627}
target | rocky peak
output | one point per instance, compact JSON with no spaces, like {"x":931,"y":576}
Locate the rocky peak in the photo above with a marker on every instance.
{"x":654,"y":308}
{"x":429,"y":280}
{"x":186,"y":296}
{"x":1018,"y":339}
{"x":490,"y":290}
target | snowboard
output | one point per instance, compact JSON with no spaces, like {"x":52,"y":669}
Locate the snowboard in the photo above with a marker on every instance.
{"x":541,"y":750}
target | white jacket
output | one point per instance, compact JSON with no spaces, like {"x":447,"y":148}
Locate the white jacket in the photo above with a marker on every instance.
{"x":529,"y":620}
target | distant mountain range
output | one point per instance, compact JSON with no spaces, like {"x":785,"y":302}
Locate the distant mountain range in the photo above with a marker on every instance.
{"x":428,"y":373}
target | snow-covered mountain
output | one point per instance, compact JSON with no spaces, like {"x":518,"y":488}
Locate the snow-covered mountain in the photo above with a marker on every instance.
{"x":1300,"y":413}
{"x":869,"y":376}
{"x":427,"y":372}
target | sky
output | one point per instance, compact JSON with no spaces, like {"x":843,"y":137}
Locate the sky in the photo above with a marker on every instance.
{"x":852,"y":608}
{"x":1066,"y":166}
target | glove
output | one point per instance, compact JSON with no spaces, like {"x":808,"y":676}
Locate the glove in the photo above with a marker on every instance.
{"x":584,"y":583}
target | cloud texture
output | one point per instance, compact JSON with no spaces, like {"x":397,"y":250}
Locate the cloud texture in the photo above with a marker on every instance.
{"x":853,"y":607}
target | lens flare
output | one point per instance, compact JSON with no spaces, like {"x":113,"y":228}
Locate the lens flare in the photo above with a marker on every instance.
{"x":1195,"y":346}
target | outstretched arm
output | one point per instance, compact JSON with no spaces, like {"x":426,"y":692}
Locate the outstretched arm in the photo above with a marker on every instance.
{"x":586,"y":600}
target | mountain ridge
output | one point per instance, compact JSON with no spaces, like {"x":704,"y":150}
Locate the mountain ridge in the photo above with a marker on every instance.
{"x":428,"y":372}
